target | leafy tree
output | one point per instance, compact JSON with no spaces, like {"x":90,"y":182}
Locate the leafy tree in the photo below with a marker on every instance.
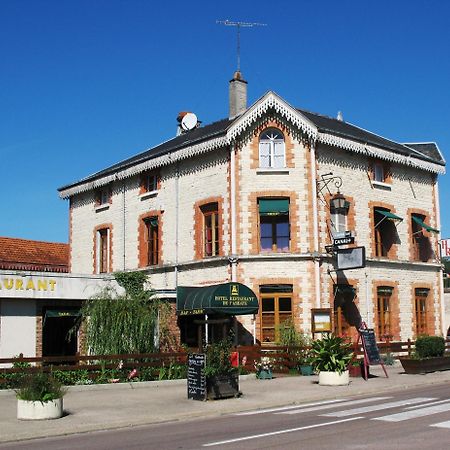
{"x":116,"y":323}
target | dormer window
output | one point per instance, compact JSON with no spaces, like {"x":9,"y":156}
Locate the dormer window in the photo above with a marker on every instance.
{"x":272,"y":149}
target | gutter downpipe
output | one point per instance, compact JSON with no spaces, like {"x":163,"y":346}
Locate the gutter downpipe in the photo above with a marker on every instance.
{"x":315,"y":223}
{"x":124,"y":224}
{"x":233,"y":214}
{"x":177,"y":208}
{"x":233,"y":258}
{"x":441,"y":278}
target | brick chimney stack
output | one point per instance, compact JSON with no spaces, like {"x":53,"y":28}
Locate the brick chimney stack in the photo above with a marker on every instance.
{"x":238,"y":95}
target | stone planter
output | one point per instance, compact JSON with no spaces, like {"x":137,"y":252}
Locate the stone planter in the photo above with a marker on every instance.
{"x":334,"y":378}
{"x":29,"y":410}
{"x":223,"y":386}
{"x":307,"y":370}
{"x":357,"y":371}
{"x":264,"y":374}
{"x":416,"y":366}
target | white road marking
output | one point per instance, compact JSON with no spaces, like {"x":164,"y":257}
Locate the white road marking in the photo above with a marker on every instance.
{"x":366,"y":409}
{"x":283,"y":408}
{"x":428,"y":404}
{"x":318,"y":408}
{"x":275,"y":433}
{"x":441,"y":424}
{"x":413,"y":414}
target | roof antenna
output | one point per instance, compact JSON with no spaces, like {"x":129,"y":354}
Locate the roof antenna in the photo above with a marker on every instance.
{"x":238,"y":25}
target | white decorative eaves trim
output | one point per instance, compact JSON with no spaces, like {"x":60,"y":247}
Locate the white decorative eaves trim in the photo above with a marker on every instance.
{"x":380,"y":153}
{"x":261,"y":107}
{"x":149,"y":164}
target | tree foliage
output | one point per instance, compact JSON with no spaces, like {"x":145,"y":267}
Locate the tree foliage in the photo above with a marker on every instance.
{"x":116,"y":323}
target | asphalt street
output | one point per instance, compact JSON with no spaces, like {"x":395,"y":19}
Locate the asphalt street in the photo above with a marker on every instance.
{"x":413,"y":418}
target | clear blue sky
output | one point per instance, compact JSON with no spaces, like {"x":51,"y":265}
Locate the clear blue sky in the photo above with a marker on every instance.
{"x":87,"y":83}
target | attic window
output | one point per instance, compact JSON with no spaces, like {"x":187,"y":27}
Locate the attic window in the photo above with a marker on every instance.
{"x":272,"y":149}
{"x":102,"y":198}
{"x":379,"y":173}
{"x":149,"y":184}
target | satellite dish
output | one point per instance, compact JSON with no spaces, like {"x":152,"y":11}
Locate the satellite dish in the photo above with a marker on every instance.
{"x":189,"y":121}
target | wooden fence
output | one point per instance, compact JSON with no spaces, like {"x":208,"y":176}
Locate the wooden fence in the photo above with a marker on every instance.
{"x":282,"y":359}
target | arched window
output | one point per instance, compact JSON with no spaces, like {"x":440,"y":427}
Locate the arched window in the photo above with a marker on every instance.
{"x":272,"y":149}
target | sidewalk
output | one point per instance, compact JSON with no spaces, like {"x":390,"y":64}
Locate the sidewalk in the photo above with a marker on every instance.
{"x":101,"y":407}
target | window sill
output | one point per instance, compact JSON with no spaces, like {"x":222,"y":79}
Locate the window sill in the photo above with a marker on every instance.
{"x":271,"y":171}
{"x":381,"y":185}
{"x":149,"y":194}
{"x":99,"y":208}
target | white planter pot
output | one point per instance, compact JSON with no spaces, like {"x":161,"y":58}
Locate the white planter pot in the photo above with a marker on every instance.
{"x":333,"y":378}
{"x":28,"y":410}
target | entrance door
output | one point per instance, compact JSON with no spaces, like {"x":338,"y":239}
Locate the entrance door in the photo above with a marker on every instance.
{"x":56,"y":339}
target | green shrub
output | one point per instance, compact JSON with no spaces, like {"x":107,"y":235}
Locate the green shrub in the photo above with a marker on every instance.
{"x":40,"y":387}
{"x":388,"y":359}
{"x":430,"y":346}
{"x":218,"y":358}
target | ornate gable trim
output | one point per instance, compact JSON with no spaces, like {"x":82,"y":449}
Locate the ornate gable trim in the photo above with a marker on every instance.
{"x":376,"y":152}
{"x":160,"y":161}
{"x":258,"y":109}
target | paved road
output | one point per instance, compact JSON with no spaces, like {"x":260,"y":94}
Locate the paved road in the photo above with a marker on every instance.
{"x":404,"y":419}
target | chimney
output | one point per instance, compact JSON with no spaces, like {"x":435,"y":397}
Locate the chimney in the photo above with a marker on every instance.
{"x":340,"y":116}
{"x":238,"y":95}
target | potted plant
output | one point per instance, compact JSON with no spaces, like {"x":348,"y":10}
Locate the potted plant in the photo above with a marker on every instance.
{"x":427,"y":357}
{"x":330,"y":356}
{"x":222,"y":379}
{"x":264,"y":368}
{"x":305,"y":362}
{"x":40,"y":396}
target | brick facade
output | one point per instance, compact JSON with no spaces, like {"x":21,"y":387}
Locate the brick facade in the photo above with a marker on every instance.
{"x":207,"y":178}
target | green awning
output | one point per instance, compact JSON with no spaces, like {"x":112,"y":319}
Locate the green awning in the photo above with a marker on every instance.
{"x":424,"y":225}
{"x":62,"y":313}
{"x":388,"y":215}
{"x":273,"y":206}
{"x":234,"y":299}
{"x":59,"y":313}
{"x":344,"y":289}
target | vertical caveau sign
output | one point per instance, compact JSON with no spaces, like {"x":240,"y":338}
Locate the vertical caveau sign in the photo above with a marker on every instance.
{"x":196,"y":380}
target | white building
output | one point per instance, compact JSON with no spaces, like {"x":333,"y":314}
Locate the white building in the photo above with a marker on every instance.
{"x":247,"y":200}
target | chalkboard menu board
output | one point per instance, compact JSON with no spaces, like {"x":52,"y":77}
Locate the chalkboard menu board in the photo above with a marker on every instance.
{"x":370,"y":345}
{"x":196,"y":380}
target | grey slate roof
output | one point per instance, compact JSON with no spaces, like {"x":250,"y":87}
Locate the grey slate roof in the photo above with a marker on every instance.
{"x":194,"y":136}
{"x":347,"y":130}
{"x":424,"y":151}
{"x":429,"y":149}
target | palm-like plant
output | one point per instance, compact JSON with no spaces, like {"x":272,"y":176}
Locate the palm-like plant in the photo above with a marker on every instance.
{"x":331,"y":354}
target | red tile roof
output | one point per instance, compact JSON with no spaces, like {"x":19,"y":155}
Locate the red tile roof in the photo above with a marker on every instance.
{"x":24,"y":254}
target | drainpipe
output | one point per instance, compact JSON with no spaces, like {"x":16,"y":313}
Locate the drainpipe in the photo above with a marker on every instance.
{"x":369,"y":316}
{"x":441,"y":281}
{"x":315,"y":223}
{"x":177,"y":209}
{"x":123,"y":224}
{"x":233,"y":258}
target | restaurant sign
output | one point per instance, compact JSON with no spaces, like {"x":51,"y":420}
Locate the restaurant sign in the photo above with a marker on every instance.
{"x":226,"y":298}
